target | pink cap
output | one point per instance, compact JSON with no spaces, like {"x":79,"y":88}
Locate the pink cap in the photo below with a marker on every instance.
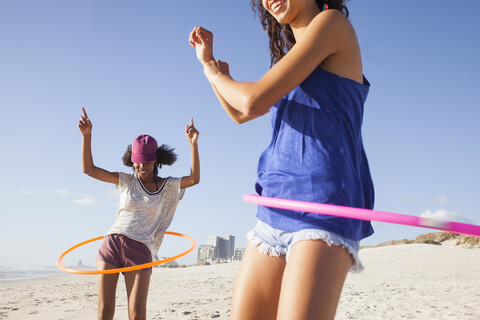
{"x":144,"y":149}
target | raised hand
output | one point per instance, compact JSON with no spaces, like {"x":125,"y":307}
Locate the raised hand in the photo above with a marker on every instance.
{"x":191,"y":132}
{"x":192,"y":135}
{"x":202,"y":40}
{"x":85,"y":125}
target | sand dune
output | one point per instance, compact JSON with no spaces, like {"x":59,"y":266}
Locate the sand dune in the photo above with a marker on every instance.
{"x":414,"y":281}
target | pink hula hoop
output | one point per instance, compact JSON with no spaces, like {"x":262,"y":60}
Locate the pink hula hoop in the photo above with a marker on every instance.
{"x":364,"y":214}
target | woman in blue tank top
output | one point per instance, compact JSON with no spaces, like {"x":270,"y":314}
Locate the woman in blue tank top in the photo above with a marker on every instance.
{"x":295,"y":263}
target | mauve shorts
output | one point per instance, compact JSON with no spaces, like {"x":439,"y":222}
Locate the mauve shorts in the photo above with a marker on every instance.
{"x":121,"y":252}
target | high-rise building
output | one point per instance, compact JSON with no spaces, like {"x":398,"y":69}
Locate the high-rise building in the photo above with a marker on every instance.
{"x":222,"y":247}
{"x":228,"y":250}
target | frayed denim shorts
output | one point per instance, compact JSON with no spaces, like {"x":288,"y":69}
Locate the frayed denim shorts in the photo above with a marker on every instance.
{"x":276,"y":242}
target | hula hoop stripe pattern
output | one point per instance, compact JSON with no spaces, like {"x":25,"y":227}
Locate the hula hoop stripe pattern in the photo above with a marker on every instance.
{"x":364,"y":214}
{"x":126,"y":269}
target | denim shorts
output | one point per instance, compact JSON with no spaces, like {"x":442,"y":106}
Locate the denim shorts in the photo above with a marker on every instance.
{"x":276,"y":242}
{"x":121,"y":251}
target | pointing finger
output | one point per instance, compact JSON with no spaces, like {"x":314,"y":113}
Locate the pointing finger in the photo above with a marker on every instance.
{"x":84,"y":113}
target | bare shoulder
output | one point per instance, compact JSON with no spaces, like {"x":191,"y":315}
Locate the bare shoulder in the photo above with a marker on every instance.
{"x":345,"y":59}
{"x":333,"y":29}
{"x":329,"y":32}
{"x":332,"y":19}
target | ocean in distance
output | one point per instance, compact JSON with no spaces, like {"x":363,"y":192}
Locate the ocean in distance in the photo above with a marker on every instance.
{"x":13,"y":274}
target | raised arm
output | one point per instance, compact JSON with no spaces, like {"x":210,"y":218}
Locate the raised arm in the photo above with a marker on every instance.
{"x":85,"y":126}
{"x":194,"y":178}
{"x":328,"y":40}
{"x":202,"y":41}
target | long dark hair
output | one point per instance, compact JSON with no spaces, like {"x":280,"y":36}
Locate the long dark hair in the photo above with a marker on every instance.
{"x":281,"y":35}
{"x":165,"y":156}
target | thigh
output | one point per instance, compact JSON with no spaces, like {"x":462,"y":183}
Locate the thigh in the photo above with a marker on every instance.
{"x":137,"y":284}
{"x":107,"y":285}
{"x":257,"y":286}
{"x":313,"y":280}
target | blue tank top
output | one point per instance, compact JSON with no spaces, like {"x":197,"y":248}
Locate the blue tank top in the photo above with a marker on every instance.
{"x":316,"y":154}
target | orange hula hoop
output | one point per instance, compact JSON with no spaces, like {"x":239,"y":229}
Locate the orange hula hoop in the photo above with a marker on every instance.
{"x":126,"y":269}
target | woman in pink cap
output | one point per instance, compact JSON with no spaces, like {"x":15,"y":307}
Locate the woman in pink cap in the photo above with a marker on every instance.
{"x":146,"y":209}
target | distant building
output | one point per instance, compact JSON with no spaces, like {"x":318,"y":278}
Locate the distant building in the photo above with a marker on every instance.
{"x":238,"y":254}
{"x":222,"y":248}
{"x":168,"y":264}
{"x":206,"y":253}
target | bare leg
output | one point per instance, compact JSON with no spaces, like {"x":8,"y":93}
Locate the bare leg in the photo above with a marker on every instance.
{"x":107,"y":287}
{"x":257,"y":286}
{"x":313,"y":281}
{"x":137,"y":283}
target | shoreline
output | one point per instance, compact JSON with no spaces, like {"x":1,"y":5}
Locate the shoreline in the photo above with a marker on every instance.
{"x":56,"y":272}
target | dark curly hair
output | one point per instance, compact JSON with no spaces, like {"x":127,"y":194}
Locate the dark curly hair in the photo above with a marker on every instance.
{"x":281,"y":35}
{"x":165,"y":156}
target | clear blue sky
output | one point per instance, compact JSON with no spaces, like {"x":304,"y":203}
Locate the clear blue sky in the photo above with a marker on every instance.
{"x":130,"y":65}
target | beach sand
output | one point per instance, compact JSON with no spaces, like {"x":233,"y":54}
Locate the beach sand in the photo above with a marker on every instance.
{"x":414,"y":281}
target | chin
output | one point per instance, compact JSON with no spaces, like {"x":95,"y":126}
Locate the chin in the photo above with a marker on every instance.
{"x":284,"y":19}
